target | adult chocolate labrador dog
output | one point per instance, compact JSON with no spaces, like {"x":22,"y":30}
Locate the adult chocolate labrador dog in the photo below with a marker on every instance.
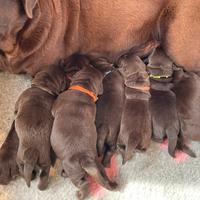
{"x":58,"y":28}
{"x":37,"y":33}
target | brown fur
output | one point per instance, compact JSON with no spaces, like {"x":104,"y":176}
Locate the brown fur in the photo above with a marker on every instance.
{"x":74,"y":134}
{"x":108,"y":117}
{"x":179,"y":24}
{"x":165,"y":121}
{"x":135,"y":130}
{"x":187,"y":90}
{"x":59,"y":29}
{"x":34,"y":121}
{"x":8,"y":167}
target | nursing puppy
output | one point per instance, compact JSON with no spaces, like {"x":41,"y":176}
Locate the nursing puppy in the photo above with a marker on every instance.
{"x":74,"y":133}
{"x":34,"y":122}
{"x":135,"y":130}
{"x":187,"y":90}
{"x":165,"y":122}
{"x":108,"y":117}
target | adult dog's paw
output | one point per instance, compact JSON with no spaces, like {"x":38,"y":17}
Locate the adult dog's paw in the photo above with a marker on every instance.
{"x":8,"y":166}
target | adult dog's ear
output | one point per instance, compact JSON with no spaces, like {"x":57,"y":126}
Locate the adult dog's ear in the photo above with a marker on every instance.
{"x":29,"y":5}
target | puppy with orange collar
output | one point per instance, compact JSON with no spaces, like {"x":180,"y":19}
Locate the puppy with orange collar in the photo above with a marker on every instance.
{"x":74,"y":135}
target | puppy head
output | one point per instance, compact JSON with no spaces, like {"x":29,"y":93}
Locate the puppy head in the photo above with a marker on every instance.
{"x":160,"y":64}
{"x":91,"y":75}
{"x":52,"y":79}
{"x":104,"y":67}
{"x":14,"y":15}
{"x":74,"y":64}
{"x":133,"y":70}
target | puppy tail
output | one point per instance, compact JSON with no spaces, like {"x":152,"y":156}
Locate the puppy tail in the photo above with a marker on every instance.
{"x":172,"y":135}
{"x":188,"y":151}
{"x":31,"y":156}
{"x":128,"y":148}
{"x":102,"y":132}
{"x":183,"y":147}
{"x":181,"y":144}
{"x":121,"y":149}
{"x":97,"y":172}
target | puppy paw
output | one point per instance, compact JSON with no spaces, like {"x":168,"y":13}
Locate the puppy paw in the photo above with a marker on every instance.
{"x":43,"y":185}
{"x":80,"y":195}
{"x":8,"y":166}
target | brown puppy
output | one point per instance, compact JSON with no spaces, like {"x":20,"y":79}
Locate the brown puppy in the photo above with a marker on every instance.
{"x":135,"y":130}
{"x":34,"y":121}
{"x":74,"y":133}
{"x":187,"y":90}
{"x":164,"y":115}
{"x":108,"y":117}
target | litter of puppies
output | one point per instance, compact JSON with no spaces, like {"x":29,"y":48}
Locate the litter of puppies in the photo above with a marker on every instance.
{"x":90,"y":110}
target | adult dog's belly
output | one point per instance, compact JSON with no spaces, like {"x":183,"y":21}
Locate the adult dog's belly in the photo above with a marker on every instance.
{"x":182,"y":39}
{"x":118,"y":26}
{"x":96,"y":27}
{"x":109,"y":28}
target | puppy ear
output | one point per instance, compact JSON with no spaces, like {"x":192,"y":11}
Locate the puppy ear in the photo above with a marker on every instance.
{"x":103,"y":65}
{"x":122,"y":62}
{"x":65,"y":84}
{"x":29,"y":5}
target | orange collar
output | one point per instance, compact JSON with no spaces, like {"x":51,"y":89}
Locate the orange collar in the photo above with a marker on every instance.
{"x":143,"y":88}
{"x":83,"y":90}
